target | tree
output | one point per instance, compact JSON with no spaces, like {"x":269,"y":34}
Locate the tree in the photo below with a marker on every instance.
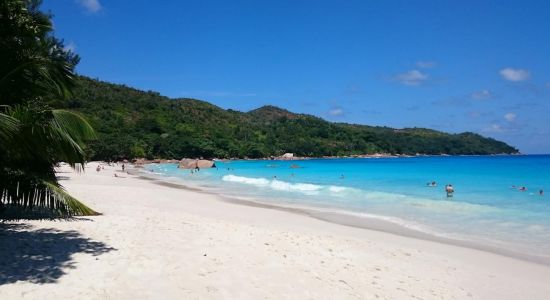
{"x":34,"y":137}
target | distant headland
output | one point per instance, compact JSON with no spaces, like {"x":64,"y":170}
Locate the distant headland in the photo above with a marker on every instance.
{"x":132,"y":123}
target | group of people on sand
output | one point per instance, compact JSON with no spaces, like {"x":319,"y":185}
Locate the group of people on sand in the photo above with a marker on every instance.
{"x":100,"y":167}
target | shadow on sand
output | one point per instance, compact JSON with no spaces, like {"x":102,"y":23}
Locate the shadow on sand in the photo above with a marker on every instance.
{"x":41,"y":255}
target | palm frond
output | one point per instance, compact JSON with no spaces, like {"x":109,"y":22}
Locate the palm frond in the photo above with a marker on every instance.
{"x":8,"y":128}
{"x":51,"y":135}
{"x":74,"y":124}
{"x":71,"y":130}
{"x":71,"y":205}
{"x":32,"y":198}
{"x":39,"y":74}
{"x":33,"y":137}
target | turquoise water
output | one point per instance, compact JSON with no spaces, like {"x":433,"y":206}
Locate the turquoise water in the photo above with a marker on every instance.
{"x":485,"y":208}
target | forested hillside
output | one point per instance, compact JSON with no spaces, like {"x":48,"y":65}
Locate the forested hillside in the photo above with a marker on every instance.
{"x":133,"y":123}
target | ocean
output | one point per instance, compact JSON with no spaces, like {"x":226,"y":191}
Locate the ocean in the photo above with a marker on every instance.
{"x":487,"y":208}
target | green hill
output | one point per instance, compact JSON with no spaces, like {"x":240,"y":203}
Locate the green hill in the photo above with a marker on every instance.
{"x":133,"y":123}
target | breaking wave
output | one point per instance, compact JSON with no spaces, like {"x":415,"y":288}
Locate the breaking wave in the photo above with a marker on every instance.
{"x":279,"y":185}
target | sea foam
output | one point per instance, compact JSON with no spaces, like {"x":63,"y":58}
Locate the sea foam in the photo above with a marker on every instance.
{"x":246,"y":180}
{"x":275,"y":184}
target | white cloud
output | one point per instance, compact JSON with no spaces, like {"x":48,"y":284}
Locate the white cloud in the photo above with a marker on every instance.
{"x":336,"y":111}
{"x":515,"y":75}
{"x":70,"y":47}
{"x":92,"y":6}
{"x":412,"y":78}
{"x":482,"y":95}
{"x":510,"y":117}
{"x":493,"y":128}
{"x":425,"y":64}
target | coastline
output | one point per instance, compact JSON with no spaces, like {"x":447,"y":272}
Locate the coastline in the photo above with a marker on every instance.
{"x":144,"y":161}
{"x":163,"y":242}
{"x":346,"y":218}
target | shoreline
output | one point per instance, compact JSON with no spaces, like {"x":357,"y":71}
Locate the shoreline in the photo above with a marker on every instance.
{"x":143,"y":161}
{"x":346,"y":218}
{"x":156,"y":241}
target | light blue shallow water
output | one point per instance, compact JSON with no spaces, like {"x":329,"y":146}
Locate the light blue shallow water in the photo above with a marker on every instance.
{"x":485,"y":208}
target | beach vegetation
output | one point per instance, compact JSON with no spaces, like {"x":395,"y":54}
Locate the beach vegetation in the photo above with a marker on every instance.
{"x":34,"y":137}
{"x":132,"y":123}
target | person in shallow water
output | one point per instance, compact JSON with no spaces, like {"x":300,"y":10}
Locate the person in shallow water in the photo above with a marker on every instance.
{"x":432,"y":184}
{"x":541,"y":192}
{"x":450,"y":190}
{"x":523,"y":189}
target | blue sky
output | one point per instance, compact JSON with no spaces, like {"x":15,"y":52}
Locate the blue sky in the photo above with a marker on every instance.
{"x":481,"y":66}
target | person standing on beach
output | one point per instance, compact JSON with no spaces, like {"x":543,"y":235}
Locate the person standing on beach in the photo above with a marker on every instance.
{"x":123,"y":167}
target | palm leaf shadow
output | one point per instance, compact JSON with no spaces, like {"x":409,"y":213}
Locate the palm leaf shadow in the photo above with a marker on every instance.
{"x":41,"y":255}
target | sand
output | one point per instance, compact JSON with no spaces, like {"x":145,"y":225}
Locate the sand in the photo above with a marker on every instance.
{"x":159,"y":242}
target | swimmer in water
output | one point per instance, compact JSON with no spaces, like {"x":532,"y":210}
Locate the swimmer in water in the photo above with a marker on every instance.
{"x":450,"y":190}
{"x":342,"y":176}
{"x":523,"y":189}
{"x":541,"y":192}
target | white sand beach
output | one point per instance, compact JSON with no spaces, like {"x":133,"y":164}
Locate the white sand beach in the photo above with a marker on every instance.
{"x":159,"y":242}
